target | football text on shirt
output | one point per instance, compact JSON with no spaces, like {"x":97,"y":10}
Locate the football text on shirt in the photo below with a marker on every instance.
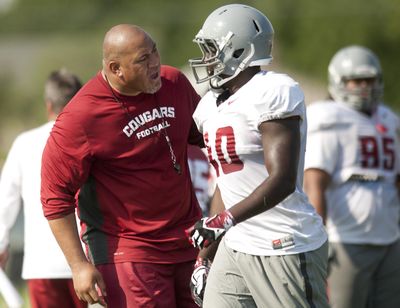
{"x":146,"y":117}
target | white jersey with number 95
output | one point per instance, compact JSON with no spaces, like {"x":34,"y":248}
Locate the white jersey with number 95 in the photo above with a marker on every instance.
{"x":361,"y":154}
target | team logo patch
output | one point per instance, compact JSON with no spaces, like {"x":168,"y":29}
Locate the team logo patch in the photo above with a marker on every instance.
{"x":283,"y":242}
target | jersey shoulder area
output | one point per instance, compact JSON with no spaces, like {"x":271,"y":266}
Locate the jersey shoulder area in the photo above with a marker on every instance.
{"x":275,"y":89}
{"x":274,"y":95}
{"x":32,"y":135}
{"x":385,"y":114}
{"x":31,"y":139}
{"x":328,"y":114}
{"x":263,"y":83}
{"x":269,"y":81}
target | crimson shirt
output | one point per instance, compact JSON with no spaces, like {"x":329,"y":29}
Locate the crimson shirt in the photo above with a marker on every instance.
{"x":117,"y":164}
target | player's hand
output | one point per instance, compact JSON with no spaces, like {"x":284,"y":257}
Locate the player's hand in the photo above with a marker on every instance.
{"x":199,"y":279}
{"x":88,"y":283}
{"x":209,"y":229}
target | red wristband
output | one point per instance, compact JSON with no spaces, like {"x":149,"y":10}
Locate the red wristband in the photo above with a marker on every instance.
{"x":202,"y":261}
{"x":223,"y":220}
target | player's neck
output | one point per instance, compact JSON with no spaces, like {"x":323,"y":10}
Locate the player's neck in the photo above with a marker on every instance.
{"x":235,"y":84}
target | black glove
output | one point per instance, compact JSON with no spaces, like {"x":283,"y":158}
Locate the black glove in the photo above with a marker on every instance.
{"x":210,"y":229}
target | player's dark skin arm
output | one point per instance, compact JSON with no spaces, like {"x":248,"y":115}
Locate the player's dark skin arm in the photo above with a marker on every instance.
{"x":216,"y":206}
{"x":281,"y":144}
{"x":316,"y":182}
{"x":195,"y":137}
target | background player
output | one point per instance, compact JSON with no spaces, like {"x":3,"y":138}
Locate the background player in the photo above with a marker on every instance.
{"x":44,"y":266}
{"x":352,"y":164}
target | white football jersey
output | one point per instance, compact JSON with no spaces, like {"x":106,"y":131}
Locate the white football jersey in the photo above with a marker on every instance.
{"x":235,"y":150}
{"x":361,"y":154}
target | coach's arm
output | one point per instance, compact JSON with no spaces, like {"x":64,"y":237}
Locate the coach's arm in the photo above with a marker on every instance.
{"x":85,"y":275}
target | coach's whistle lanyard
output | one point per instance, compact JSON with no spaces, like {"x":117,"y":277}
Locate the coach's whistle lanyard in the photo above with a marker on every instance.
{"x":177,"y":167}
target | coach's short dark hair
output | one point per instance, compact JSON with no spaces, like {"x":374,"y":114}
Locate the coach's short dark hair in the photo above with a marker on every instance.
{"x":60,"y":87}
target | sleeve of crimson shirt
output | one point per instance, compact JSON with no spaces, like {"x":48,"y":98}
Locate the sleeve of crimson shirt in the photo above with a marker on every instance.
{"x":65,"y":166}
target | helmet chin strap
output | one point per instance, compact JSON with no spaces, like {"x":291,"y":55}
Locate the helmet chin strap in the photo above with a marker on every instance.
{"x":214,"y":88}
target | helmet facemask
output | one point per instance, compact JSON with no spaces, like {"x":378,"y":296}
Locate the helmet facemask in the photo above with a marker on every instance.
{"x":211,"y":65}
{"x":362,"y":98}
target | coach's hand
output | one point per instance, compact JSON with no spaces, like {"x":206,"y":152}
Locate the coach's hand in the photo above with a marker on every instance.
{"x":199,"y":279}
{"x":210,"y":229}
{"x":88,"y":283}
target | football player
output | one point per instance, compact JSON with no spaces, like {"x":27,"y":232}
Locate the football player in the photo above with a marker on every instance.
{"x":272,"y":245}
{"x":352,"y":164}
{"x":47,"y":274}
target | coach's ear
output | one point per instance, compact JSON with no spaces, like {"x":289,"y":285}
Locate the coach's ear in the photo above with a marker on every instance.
{"x":115,"y":68}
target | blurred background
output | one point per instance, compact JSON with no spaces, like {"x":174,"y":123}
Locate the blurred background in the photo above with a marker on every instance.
{"x":39,"y":36}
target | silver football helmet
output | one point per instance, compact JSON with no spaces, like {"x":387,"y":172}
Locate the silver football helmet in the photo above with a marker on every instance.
{"x":232,"y":38}
{"x":356,"y":62}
